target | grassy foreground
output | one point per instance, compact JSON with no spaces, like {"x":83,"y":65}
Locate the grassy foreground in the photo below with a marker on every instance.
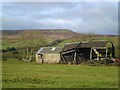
{"x":19,"y":74}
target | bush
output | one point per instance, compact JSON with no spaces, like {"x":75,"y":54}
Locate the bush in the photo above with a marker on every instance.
{"x":4,"y":59}
{"x":3,"y":50}
{"x":9,"y":49}
{"x":10,"y":54}
{"x":54,"y":43}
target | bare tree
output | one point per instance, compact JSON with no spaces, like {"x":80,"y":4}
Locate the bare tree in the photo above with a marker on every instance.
{"x":29,"y":39}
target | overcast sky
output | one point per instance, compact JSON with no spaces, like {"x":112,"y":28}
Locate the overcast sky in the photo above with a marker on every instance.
{"x":82,"y":17}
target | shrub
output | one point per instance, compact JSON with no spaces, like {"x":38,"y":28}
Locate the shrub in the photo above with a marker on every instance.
{"x":10,"y":48}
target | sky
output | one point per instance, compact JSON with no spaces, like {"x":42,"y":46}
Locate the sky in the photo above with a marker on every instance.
{"x":81,"y":17}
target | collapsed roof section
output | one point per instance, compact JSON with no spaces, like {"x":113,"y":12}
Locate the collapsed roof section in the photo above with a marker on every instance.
{"x":95,"y":44}
{"x":69,"y":47}
{"x":88,"y":50}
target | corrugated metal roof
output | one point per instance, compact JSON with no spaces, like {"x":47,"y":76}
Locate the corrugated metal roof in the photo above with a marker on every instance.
{"x":70,"y":46}
{"x":49,"y":50}
{"x":94,"y":44}
{"x":85,"y":45}
{"x":40,"y":50}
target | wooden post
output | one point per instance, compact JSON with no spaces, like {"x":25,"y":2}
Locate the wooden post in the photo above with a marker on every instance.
{"x":106,"y":53}
{"x":75,"y":56}
{"x":27,"y":53}
{"x":91,"y":54}
{"x":106,"y":56}
{"x":63,"y":59}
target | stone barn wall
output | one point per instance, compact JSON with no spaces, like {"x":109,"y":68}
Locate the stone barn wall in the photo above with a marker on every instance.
{"x":48,"y":58}
{"x":51,"y":58}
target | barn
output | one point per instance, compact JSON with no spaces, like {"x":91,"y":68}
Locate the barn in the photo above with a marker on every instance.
{"x":77,"y":52}
{"x":48,"y":55}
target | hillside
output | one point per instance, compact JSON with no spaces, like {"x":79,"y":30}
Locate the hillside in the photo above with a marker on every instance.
{"x":53,"y":34}
{"x":46,"y":33}
{"x":49,"y":35}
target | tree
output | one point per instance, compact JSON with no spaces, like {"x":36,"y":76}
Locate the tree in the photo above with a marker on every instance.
{"x":29,"y":40}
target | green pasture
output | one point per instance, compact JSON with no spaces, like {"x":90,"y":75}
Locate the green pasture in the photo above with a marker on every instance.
{"x":19,"y":74}
{"x":19,"y":43}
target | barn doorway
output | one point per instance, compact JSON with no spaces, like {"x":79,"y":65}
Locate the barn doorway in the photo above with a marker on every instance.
{"x":41,"y":58}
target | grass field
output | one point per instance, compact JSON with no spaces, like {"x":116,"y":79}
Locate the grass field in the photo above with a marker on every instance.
{"x":19,"y":74}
